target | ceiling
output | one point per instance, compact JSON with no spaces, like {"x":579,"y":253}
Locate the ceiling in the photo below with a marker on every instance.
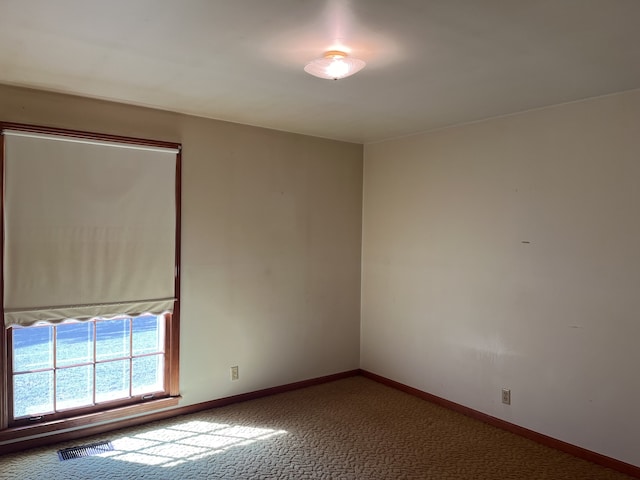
{"x":430,"y":63}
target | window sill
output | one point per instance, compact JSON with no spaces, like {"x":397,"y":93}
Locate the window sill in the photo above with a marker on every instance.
{"x":10,"y":438}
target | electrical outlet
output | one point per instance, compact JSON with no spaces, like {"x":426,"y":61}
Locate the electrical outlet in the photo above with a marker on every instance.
{"x":506,"y":396}
{"x":235,"y":374}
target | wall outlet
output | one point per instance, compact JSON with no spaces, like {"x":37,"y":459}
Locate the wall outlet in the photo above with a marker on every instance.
{"x":506,"y":396}
{"x":235,"y":374}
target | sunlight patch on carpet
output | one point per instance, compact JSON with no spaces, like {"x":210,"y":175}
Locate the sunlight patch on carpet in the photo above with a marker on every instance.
{"x":188,"y":441}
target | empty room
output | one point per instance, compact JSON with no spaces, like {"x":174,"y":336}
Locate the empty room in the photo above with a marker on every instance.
{"x":298,"y":239}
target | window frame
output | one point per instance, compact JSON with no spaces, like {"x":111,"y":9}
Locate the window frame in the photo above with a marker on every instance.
{"x":109,"y":411}
{"x":61,"y":414}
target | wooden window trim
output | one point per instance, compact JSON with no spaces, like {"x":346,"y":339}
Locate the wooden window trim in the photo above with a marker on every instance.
{"x":89,"y":419}
{"x":79,"y":134}
{"x":172,"y":333}
{"x":4,"y":353}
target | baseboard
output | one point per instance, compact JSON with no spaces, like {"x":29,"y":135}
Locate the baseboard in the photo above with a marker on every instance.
{"x":574,"y":450}
{"x":165,"y":414}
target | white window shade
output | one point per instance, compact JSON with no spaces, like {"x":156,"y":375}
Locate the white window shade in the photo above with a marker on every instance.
{"x":90,"y":229}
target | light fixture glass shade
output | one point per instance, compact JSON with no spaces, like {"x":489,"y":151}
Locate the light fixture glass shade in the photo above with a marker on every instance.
{"x":334,"y":65}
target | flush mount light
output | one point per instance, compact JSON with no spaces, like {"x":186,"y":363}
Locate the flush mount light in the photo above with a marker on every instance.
{"x":334,"y":65}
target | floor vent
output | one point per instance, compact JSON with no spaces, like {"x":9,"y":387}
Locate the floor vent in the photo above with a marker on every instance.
{"x":84,"y":450}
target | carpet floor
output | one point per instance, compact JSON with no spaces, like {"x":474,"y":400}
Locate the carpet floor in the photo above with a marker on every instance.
{"x":353,"y":428}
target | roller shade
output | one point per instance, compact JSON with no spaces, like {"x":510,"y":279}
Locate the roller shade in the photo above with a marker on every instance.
{"x":90,"y":228}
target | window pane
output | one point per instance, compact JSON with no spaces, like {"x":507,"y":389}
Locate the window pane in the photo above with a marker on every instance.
{"x":32,"y":394}
{"x":74,"y":387}
{"x":148,"y":334}
{"x":93,"y":356}
{"x":74,"y":343}
{"x":112,"y":338}
{"x":32,"y":348}
{"x":112,"y":380}
{"x":148,"y":374}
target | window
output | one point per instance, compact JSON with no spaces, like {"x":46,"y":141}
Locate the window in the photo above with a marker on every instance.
{"x":90,"y":275}
{"x":80,"y":365}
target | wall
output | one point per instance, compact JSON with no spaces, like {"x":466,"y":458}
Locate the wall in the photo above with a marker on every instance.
{"x":271,"y":237}
{"x":505,"y":253}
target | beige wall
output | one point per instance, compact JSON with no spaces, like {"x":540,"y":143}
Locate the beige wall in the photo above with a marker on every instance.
{"x":506,"y":253}
{"x":454,"y":302}
{"x":271,"y":237}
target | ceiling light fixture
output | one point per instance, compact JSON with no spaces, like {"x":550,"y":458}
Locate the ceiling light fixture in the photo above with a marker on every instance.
{"x":334,"y":65}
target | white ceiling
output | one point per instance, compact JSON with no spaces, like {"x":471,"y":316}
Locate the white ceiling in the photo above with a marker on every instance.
{"x":430,"y":63}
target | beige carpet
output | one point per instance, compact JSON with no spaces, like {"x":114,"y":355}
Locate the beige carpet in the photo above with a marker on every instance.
{"x":349,"y":429}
